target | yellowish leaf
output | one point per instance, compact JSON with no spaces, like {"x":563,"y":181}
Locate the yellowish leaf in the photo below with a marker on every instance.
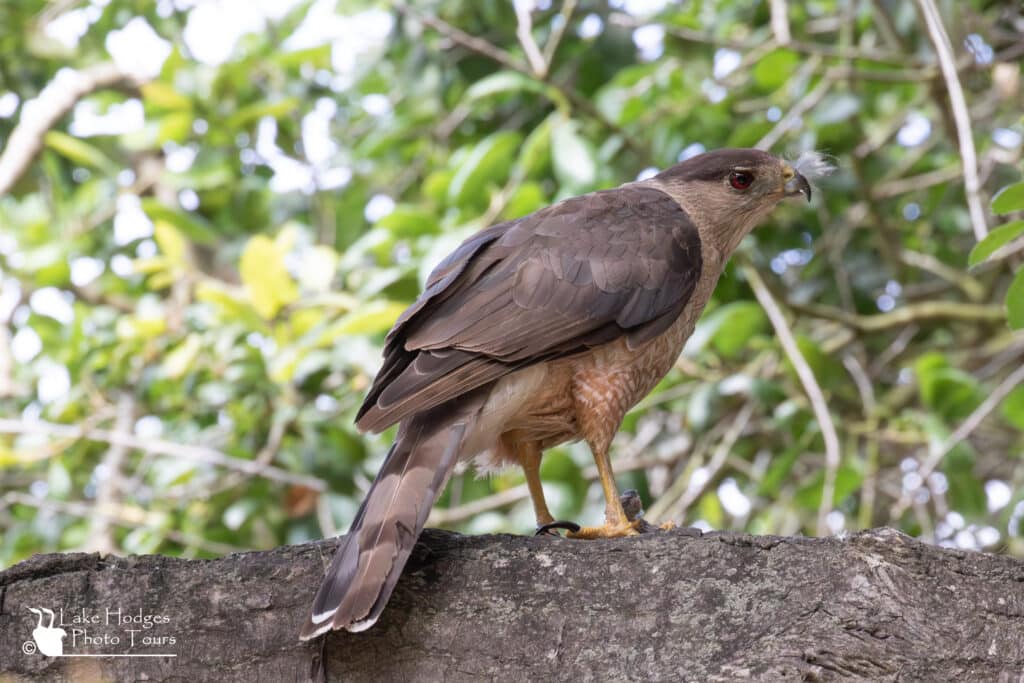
{"x":178,"y":362}
{"x":153,"y":264}
{"x":373,"y":318}
{"x":170,"y":240}
{"x":265,"y":276}
{"x":163,"y":96}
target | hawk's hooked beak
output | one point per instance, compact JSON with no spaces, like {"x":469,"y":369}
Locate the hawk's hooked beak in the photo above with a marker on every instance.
{"x":796,"y":183}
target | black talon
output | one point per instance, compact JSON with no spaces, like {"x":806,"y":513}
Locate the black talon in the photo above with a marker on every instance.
{"x":548,"y":529}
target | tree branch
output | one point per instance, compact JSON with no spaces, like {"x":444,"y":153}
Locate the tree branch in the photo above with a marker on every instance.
{"x":42,"y":113}
{"x":524,"y":32}
{"x":944,"y":51}
{"x":109,"y":481}
{"x":809,"y":101}
{"x":811,"y":387}
{"x":962,"y":432}
{"x":550,"y":47}
{"x":719,"y":607}
{"x":201,"y":454}
{"x":780,"y":22}
{"x":127,"y":516}
{"x":904,"y":315}
{"x":508,"y":60}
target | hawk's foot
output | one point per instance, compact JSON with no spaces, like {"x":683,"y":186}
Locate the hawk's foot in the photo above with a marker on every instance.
{"x":634,"y":524}
{"x":609,"y":530}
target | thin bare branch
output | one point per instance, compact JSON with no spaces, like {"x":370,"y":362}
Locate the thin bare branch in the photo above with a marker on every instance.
{"x":558,"y":32}
{"x":665,"y":509}
{"x":125,"y":516}
{"x":201,"y":454}
{"x":947,"y":62}
{"x":809,"y":101}
{"x":878,"y":56}
{"x":109,"y":481}
{"x":780,"y":22}
{"x":524,"y":32}
{"x":42,"y":113}
{"x":508,"y":60}
{"x":460,"y":513}
{"x":462,"y":38}
{"x":970,"y":286}
{"x":961,"y":433}
{"x":910,"y":313}
{"x":811,"y":387}
{"x":922,"y":181}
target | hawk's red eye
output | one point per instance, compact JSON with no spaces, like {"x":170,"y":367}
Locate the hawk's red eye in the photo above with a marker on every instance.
{"x":741,"y":180}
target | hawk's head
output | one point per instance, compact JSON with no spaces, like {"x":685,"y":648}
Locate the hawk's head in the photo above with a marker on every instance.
{"x":729,"y":191}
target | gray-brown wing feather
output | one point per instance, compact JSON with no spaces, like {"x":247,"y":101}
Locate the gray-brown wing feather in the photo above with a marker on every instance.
{"x":586,"y":271}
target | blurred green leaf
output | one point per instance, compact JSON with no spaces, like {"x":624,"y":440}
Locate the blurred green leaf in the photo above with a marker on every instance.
{"x":827,"y":369}
{"x":779,"y":470}
{"x":253,"y":112}
{"x":502,"y":82}
{"x":575,"y":163}
{"x":1015,"y":301}
{"x":191,"y":225}
{"x":142,"y":541}
{"x":373,"y":318}
{"x":1009,"y":199}
{"x":709,"y":508}
{"x":1004,"y":234}
{"x":526,"y":199}
{"x":728,"y":328}
{"x":486,"y":164}
{"x":407,"y":221}
{"x":535,"y":154}
{"x":79,"y":151}
{"x":775,"y":68}
{"x":1013,"y":407}
{"x":966,"y":490}
{"x":950,"y":392}
{"x":848,"y":479}
{"x":175,"y":127}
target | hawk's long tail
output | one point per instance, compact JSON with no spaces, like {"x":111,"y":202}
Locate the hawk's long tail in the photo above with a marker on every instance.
{"x":370,"y":558}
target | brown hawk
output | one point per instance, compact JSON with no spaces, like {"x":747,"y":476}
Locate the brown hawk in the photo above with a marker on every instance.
{"x":539,"y":331}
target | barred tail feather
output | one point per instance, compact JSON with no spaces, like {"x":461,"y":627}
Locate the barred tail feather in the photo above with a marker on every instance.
{"x":370,"y":558}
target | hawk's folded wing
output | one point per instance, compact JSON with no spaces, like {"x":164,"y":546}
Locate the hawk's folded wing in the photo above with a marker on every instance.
{"x":584,"y":272}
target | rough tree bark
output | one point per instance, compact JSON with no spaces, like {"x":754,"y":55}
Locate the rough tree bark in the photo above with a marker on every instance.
{"x":666,"y":606}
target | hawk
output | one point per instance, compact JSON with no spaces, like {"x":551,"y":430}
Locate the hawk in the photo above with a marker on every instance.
{"x":539,"y":331}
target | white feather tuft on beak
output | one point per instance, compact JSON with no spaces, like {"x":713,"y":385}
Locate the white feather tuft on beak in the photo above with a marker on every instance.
{"x":813,"y":165}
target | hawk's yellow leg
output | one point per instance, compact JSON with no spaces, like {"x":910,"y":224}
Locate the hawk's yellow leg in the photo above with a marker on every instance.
{"x":529,"y":458}
{"x":615,"y":521}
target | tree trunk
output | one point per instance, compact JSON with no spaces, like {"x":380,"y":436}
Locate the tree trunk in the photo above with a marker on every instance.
{"x":663,"y":606}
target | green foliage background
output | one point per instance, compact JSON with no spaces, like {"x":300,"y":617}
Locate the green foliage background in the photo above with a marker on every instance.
{"x":193,"y":307}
